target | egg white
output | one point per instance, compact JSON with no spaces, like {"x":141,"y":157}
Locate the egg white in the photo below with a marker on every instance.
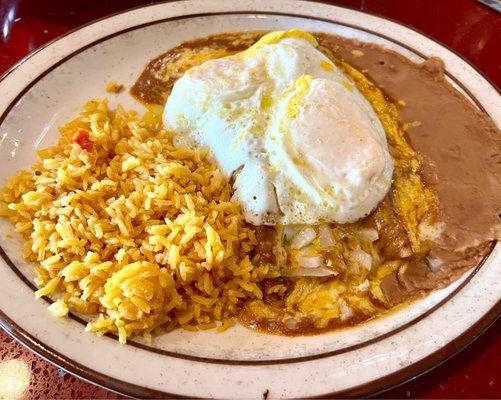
{"x":302,"y":143}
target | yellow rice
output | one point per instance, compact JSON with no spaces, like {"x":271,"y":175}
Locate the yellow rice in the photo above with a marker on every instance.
{"x":136,"y":233}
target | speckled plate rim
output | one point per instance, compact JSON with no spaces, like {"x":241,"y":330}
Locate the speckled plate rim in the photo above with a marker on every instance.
{"x":372,"y":386}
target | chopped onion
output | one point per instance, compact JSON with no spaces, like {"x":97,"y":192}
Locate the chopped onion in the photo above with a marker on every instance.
{"x":325,"y":236}
{"x":346,"y":311}
{"x":433,"y":263}
{"x":303,"y":237}
{"x":290,"y":231}
{"x":368,"y":234}
{"x":291,"y":323}
{"x":280,"y":255}
{"x":363,"y":286}
{"x":362,"y":258}
{"x":354,"y":268}
{"x":311,"y":261}
{"x":316,"y":272}
{"x":405,"y":252}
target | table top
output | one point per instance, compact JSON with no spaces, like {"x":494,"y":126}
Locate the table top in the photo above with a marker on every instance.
{"x":471,"y":29}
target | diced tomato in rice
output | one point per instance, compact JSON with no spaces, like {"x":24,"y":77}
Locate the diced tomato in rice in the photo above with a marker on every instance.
{"x":80,"y":136}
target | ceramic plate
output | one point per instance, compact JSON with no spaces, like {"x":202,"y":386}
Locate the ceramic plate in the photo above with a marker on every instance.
{"x":50,"y":86}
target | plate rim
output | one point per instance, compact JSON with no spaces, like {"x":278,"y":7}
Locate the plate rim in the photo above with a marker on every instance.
{"x":211,"y":360}
{"x":372,"y":387}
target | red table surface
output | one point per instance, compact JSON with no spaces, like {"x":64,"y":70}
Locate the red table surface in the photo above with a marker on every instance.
{"x":469,"y":28}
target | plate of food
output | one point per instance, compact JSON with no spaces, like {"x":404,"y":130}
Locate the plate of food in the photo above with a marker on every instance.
{"x":248,"y":199}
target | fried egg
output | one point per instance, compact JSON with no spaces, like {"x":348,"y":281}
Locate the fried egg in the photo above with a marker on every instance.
{"x":302,"y":144}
